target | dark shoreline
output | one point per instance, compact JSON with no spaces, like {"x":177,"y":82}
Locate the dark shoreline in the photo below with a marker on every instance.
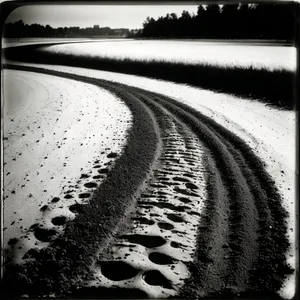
{"x":226,"y":41}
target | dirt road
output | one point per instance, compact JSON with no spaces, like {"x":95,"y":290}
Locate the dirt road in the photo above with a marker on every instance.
{"x":188,"y":209}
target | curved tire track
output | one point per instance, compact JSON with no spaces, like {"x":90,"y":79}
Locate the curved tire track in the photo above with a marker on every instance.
{"x":241,"y":242}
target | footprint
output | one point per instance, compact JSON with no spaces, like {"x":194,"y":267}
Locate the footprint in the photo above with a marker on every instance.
{"x":117,"y":270}
{"x":76,"y":208}
{"x":160,"y":258}
{"x":195,"y":213}
{"x":112,"y":155}
{"x":185,"y":200}
{"x":143,"y":220}
{"x":84,"y":176}
{"x":149,"y":241}
{"x":191,"y":186}
{"x":185,"y":192}
{"x":55,"y":199}
{"x":175,"y":244}
{"x":43,"y":208}
{"x":44,"y":235}
{"x":84,"y":195}
{"x":188,"y":175}
{"x":165,"y":226}
{"x":154,"y":277}
{"x":103,"y":171}
{"x":181,"y":179}
{"x":68,"y":196}
{"x":61,"y":220}
{"x":164,"y":205}
{"x":90,"y":184}
{"x":175,"y":218}
{"x":12,"y":241}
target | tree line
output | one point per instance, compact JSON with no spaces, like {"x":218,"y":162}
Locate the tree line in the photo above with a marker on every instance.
{"x":19,"y":29}
{"x":231,"y":21}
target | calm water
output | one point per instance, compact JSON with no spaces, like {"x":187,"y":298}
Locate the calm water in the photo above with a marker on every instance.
{"x":216,"y":53}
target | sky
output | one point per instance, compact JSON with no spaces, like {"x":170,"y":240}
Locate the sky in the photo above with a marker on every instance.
{"x":114,"y":16}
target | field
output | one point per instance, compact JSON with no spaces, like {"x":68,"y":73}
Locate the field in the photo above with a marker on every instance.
{"x":160,"y":189}
{"x":260,"y":72}
{"x":271,"y":57}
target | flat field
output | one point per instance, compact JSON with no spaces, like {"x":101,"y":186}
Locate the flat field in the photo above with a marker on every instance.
{"x":136,"y":187}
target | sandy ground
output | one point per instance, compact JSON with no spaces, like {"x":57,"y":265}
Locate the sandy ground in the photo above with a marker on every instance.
{"x":54,"y":130}
{"x":265,"y":129}
{"x":164,"y":232}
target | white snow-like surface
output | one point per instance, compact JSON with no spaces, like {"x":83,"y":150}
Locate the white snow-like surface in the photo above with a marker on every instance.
{"x":191,"y":52}
{"x":54,"y":131}
{"x":270,"y":132}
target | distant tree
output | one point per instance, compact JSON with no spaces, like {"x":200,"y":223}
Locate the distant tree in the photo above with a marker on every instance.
{"x":231,"y":21}
{"x":213,"y":17}
{"x":228,"y":21}
{"x":174,"y":25}
{"x":148,"y":27}
{"x":200,"y":11}
{"x":185,"y":24}
{"x":286,"y":16}
{"x":200,"y":22}
{"x":243,"y":20}
{"x":185,"y":15}
{"x":173,"y":16}
{"x":166,"y":26}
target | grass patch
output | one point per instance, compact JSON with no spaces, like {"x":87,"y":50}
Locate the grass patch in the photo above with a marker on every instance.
{"x":276,"y":87}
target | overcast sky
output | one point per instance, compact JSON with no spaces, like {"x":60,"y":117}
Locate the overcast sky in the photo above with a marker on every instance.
{"x":114,"y":16}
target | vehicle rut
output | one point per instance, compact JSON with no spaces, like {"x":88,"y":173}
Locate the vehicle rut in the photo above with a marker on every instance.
{"x":234,"y":221}
{"x":162,"y":239}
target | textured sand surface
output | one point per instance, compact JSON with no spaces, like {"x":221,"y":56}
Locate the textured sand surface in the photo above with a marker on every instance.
{"x":255,"y":126}
{"x":55,"y":129}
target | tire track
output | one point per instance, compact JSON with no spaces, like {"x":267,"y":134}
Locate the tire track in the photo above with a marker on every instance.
{"x":239,"y":200}
{"x":241,"y":237}
{"x":266,"y":273}
{"x":152,"y":255}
